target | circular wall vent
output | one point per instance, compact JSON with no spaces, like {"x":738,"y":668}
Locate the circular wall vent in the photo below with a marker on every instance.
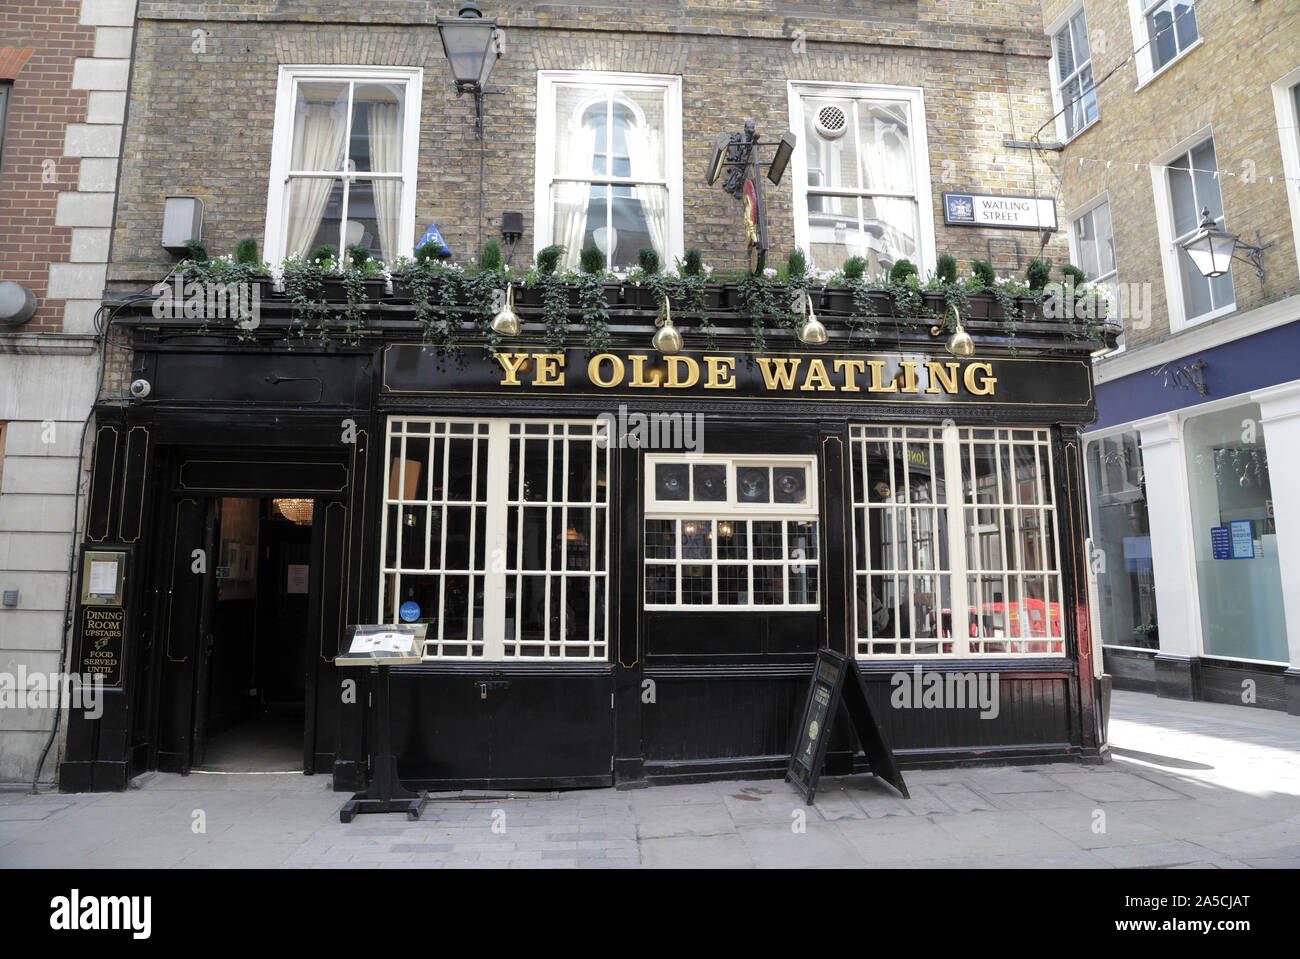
{"x":831,"y":122}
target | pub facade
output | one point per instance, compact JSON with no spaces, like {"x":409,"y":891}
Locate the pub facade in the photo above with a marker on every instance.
{"x":629,"y":476}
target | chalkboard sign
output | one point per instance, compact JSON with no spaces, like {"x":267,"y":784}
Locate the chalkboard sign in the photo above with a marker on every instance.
{"x":837,"y":684}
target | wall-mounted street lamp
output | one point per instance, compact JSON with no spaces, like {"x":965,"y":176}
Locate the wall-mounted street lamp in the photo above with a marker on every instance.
{"x":960,"y":342}
{"x":506,"y":322}
{"x":1212,"y":250}
{"x":472,"y":45}
{"x":667,"y":338}
{"x":812,"y":331}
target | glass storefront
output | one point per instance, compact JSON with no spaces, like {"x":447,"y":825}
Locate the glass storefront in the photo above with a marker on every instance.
{"x":1234,"y":535}
{"x":1120,"y":530}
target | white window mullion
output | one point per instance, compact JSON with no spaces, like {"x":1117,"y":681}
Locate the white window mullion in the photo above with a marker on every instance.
{"x":955,"y":503}
{"x":494,"y":577}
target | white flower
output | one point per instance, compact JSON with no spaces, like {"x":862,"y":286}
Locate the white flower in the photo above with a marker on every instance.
{"x":770,"y":273}
{"x":708,"y":271}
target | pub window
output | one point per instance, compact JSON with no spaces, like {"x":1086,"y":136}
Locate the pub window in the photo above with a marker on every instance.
{"x":1072,"y":80}
{"x":861,"y":175}
{"x":496,"y":535}
{"x":731,"y":533}
{"x":912,"y":487}
{"x":609,"y":165}
{"x":343,"y":161}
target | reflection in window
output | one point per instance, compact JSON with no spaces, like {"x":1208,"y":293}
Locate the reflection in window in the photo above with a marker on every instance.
{"x":1171,"y":29}
{"x":1193,"y":187}
{"x":1078,"y":99}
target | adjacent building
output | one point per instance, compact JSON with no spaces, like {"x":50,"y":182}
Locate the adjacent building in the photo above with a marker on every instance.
{"x":1162,"y":121}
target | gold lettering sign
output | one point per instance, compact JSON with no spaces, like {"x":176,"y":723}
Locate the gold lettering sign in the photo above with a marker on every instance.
{"x":779,"y":374}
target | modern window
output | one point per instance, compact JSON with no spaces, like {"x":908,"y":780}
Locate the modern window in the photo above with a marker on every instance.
{"x":1163,"y":30}
{"x":1193,"y":186}
{"x":609,"y":165}
{"x":1117,"y":495}
{"x":861,"y":175}
{"x":730,"y":533}
{"x":1092,"y":248}
{"x":343,"y":161}
{"x":999,"y":571}
{"x":1076,"y":98}
{"x":496,"y":535}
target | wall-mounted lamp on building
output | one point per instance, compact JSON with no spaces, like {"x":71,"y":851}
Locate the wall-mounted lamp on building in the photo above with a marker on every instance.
{"x":506,"y":323}
{"x":812,"y":331}
{"x":960,"y":342}
{"x":472,"y":45}
{"x":666,"y":339}
{"x":1212,"y":250}
{"x":182,"y":221}
{"x":512,"y":229}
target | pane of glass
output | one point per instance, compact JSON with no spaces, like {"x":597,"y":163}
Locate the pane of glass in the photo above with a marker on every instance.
{"x":660,"y":584}
{"x":802,"y":535}
{"x":1165,"y":46}
{"x":672,"y":481}
{"x":752,"y":484}
{"x":790,"y":484}
{"x":1079,"y":30}
{"x":534,"y":535}
{"x":1105,"y":240}
{"x":697,"y":585}
{"x":710,"y":484}
{"x":532,"y":609}
{"x":803,"y":584}
{"x":458,"y":536}
{"x":320,"y":119}
{"x":835,"y":231}
{"x":640,"y":220}
{"x":697,"y":539}
{"x":886,"y":150}
{"x":577,"y":608}
{"x":376,"y":141}
{"x":314,"y":214}
{"x":373,"y":210}
{"x":461,"y":470}
{"x":579,"y":472}
{"x":580,"y":119}
{"x":577,"y":540}
{"x":1185,"y":23}
{"x":1196,"y":290}
{"x":767,"y":585}
{"x":733,"y":585}
{"x":660,"y":539}
{"x":889,"y":231}
{"x":767,"y":540}
{"x":455,"y":608}
{"x":1204,"y":165}
{"x":1065,"y":62}
{"x":733,"y":539}
{"x":536,"y":465}
{"x":1026,"y":474}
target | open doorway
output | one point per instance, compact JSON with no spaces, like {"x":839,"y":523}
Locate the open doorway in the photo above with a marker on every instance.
{"x":253,"y":710}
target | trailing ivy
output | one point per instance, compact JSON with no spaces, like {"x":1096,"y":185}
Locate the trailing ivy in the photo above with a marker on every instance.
{"x":758,"y":299}
{"x":304,"y":285}
{"x":595,"y":312}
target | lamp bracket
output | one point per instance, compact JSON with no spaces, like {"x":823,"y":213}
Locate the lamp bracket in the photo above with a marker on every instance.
{"x":1252,"y":254}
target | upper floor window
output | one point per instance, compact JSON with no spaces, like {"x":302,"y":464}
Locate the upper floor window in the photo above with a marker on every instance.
{"x":1093,"y":250}
{"x":1076,"y":99}
{"x":343,"y":161}
{"x":609,"y":165}
{"x":861,"y":179}
{"x":1163,"y":30}
{"x":1193,"y":187}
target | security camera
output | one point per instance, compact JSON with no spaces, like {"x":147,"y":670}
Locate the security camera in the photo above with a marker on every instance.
{"x":140,"y":389}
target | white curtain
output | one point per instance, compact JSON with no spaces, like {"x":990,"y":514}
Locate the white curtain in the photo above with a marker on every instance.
{"x":318,"y":131}
{"x":572,"y":198}
{"x":886,"y":160}
{"x":646,"y":148}
{"x":385,"y":149}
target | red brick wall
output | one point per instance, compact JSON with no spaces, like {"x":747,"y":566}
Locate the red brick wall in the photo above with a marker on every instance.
{"x":42,"y":104}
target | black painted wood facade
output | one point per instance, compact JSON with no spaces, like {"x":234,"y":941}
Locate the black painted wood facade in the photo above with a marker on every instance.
{"x":277,"y":417}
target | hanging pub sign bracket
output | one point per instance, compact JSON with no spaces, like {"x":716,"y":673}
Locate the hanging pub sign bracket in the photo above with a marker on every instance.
{"x":837,"y":684}
{"x":738,"y":154}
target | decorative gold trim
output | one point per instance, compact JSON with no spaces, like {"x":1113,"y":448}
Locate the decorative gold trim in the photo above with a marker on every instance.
{"x":144,"y":473}
{"x":112,"y":480}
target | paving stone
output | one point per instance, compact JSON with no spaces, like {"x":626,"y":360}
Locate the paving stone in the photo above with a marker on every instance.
{"x":706,"y":852}
{"x":1156,"y":854}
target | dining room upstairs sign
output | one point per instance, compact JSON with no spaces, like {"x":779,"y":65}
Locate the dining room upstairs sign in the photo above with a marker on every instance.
{"x":1006,"y":212}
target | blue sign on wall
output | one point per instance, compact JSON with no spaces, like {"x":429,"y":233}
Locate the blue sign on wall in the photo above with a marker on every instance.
{"x":410,"y":612}
{"x":1220,"y":542}
{"x":432,"y":235}
{"x":1243,"y":539}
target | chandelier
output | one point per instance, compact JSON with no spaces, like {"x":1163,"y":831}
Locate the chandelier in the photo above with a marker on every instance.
{"x":295,"y":510}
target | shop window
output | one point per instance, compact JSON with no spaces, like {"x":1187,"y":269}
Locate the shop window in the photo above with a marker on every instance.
{"x":609,"y":165}
{"x":912,"y":486}
{"x":1117,"y":496}
{"x":538,"y":491}
{"x":1238,"y":572}
{"x":1092,"y":240}
{"x":1072,"y":80}
{"x":1191,"y":179}
{"x":729,"y":533}
{"x":343,"y":161}
{"x":861,"y":177}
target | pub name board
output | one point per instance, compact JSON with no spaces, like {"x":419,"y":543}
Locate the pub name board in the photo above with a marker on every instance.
{"x":853,"y":377}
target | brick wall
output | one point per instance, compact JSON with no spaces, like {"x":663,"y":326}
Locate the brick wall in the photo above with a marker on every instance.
{"x":205,"y":122}
{"x":35,"y":170}
{"x":1224,"y":84}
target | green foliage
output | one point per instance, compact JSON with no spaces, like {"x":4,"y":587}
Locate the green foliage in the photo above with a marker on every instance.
{"x":757,"y":298}
{"x":555,"y":311}
{"x":983,"y":271}
{"x":427,"y":253}
{"x":491,"y":260}
{"x":854,"y":267}
{"x":595,"y":309}
{"x":592,"y":260}
{"x":1038,"y":273}
{"x":946,"y":269}
{"x":246,"y":253}
{"x":197,"y":251}
{"x":693,"y":263}
{"x":326,"y":251}
{"x":796,"y":265}
{"x":358,"y":254}
{"x":1072,"y":272}
{"x":548,"y":259}
{"x":901,"y":270}
{"x":649,"y":260}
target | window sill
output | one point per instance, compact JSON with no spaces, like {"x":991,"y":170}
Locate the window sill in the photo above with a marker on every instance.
{"x":1188,"y":322}
{"x":1161,"y":72}
{"x":1066,"y":141}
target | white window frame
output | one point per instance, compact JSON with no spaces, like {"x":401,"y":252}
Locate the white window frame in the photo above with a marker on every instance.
{"x":276,"y":232}
{"x":1144,"y":41}
{"x":1286,"y":89}
{"x":734,"y":511}
{"x":1091,"y":205}
{"x":1058,"y":82}
{"x":924,"y":197}
{"x":543,"y":172}
{"x":957,"y":443}
{"x":1173,"y":259}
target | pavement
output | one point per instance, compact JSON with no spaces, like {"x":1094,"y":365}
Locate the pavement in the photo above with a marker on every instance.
{"x":1192,"y":785}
